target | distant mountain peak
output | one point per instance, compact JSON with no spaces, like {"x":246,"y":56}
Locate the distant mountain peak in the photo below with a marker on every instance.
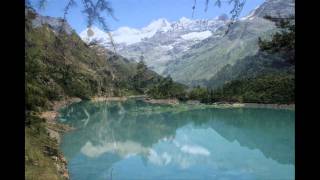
{"x":171,"y":47}
{"x":157,"y":25}
{"x":128,"y":36}
{"x":185,"y":20}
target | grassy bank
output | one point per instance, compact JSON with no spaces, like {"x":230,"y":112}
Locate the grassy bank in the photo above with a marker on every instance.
{"x":43,"y":159}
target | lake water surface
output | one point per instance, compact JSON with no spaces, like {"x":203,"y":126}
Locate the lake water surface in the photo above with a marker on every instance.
{"x":135,"y":140}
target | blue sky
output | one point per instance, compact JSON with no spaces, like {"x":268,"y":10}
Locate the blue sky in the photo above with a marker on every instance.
{"x":139,"y":13}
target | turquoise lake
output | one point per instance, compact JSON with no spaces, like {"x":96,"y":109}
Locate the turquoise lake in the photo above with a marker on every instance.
{"x":134,"y":140}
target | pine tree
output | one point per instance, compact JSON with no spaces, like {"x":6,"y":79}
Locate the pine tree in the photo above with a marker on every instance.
{"x":282,"y":42}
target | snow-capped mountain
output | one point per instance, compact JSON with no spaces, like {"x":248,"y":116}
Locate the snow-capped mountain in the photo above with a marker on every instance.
{"x":192,"y":50}
{"x":126,"y":35}
{"x":129,"y":36}
{"x":158,"y":41}
{"x":204,"y":59}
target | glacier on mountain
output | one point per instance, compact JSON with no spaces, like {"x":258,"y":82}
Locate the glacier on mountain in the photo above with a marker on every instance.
{"x":188,"y":30}
{"x":197,"y":35}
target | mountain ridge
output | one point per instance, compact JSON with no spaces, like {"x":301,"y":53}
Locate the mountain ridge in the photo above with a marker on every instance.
{"x":191,"y":51}
{"x":160,"y":25}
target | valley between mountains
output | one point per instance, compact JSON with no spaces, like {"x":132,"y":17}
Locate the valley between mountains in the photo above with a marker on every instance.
{"x":192,"y":61}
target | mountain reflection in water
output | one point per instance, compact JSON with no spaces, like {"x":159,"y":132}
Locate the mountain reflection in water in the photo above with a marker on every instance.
{"x":138,"y":140}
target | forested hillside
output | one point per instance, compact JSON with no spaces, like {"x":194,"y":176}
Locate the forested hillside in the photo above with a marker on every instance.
{"x":250,"y":61}
{"x":267,"y":77}
{"x":59,"y":65}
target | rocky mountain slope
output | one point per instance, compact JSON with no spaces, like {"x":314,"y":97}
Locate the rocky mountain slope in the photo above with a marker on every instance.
{"x":159,"y":41}
{"x":191,"y":51}
{"x":280,"y":8}
{"x":208,"y":57}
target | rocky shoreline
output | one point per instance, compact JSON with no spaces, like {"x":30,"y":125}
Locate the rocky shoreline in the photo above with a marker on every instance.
{"x":174,"y":101}
{"x":55,"y":130}
{"x":162,"y":101}
{"x":103,"y":98}
{"x":271,"y":106}
{"x":254,"y":105}
{"x":221,"y":104}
